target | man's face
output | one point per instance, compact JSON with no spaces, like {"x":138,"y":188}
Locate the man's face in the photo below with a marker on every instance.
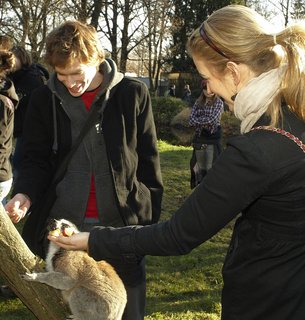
{"x":77,"y":77}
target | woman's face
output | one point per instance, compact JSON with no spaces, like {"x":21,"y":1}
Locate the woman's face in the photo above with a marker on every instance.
{"x":79,"y":77}
{"x":221,"y":85}
{"x":208,"y":93}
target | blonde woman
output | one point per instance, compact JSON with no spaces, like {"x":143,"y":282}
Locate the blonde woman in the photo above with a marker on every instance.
{"x":261,"y":76}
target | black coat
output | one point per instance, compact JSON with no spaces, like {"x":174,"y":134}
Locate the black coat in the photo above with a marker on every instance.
{"x":25,"y":81}
{"x":262,"y":175}
{"x":127,"y":148}
{"x":131,"y":143}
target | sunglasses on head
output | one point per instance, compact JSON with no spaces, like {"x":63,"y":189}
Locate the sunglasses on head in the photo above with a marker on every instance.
{"x":209,"y":42}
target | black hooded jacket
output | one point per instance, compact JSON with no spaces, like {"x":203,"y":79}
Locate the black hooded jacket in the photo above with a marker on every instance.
{"x":25,"y":81}
{"x":131,"y":143}
{"x":262,"y":175}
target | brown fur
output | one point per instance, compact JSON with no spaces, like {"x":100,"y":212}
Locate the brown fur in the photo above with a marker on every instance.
{"x":92,"y":288}
{"x":90,"y":273}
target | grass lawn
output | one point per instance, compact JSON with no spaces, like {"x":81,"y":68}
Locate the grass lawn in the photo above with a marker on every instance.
{"x":178,"y":288}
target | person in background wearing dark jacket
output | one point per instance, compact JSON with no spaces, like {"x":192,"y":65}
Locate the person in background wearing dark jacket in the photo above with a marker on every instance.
{"x":26,"y":77}
{"x":8,"y":103}
{"x":205,"y":117}
{"x":114,"y":176}
{"x":172,"y":91}
{"x":260,"y":74}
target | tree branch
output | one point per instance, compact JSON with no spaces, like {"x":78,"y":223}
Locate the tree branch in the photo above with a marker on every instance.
{"x":43,"y":301}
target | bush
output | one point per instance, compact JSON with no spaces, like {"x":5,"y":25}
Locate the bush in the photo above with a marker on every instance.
{"x":165,"y":108}
{"x":230,"y":125}
{"x":171,"y":117}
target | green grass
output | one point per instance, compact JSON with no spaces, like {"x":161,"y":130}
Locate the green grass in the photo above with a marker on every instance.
{"x":185,"y":287}
{"x":178,"y":288}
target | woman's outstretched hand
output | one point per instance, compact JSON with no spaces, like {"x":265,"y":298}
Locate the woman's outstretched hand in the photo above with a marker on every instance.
{"x":78,"y":241}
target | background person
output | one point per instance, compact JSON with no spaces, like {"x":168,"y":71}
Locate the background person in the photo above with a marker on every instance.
{"x":187,"y":94}
{"x":261,"y":173}
{"x":8,"y":103}
{"x":114,"y":176}
{"x":26,"y":77}
{"x":205,"y":117}
{"x":172,"y":90}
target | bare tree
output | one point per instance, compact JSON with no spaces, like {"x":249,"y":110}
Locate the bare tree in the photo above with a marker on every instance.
{"x":133,"y":16}
{"x":263,"y":7}
{"x":283,"y":6}
{"x":43,"y":301}
{"x":96,"y":12}
{"x":121,"y":23}
{"x":84,"y":10}
{"x":158,"y":26}
{"x":110,"y":16}
{"x":27,"y":22}
{"x":298,"y":9}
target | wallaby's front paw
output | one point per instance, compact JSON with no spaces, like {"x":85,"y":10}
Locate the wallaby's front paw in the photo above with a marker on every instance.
{"x":29,"y":276}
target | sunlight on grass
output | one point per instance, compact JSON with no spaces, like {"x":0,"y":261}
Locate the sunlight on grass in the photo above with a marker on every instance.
{"x":188,"y":315}
{"x":184,"y":287}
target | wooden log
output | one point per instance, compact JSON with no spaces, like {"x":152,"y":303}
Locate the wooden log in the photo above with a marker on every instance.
{"x":16,"y":258}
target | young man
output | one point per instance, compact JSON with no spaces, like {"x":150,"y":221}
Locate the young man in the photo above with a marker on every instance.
{"x":113,"y":178}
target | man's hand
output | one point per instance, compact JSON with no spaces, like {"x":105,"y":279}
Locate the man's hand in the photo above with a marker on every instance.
{"x":78,"y":241}
{"x":17,"y":207}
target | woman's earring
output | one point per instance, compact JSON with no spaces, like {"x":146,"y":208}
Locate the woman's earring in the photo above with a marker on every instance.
{"x":234,"y":97}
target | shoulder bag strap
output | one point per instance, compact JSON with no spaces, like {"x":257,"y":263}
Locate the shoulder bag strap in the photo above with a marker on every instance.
{"x":95,"y":113}
{"x":283,"y":133}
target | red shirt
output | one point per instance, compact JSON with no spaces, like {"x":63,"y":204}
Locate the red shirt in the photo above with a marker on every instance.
{"x":91,"y":210}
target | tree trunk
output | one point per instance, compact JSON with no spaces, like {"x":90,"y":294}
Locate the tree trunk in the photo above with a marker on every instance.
{"x":42,"y":300}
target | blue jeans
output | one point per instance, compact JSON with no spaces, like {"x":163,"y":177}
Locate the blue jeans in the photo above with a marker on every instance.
{"x":205,"y":157}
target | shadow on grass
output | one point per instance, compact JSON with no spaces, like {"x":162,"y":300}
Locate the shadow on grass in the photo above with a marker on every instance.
{"x":193,"y":301}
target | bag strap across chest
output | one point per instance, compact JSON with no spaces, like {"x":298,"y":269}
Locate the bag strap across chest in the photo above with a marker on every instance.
{"x":289,"y":135}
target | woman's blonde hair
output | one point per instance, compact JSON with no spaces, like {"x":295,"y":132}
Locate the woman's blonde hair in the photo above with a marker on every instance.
{"x":237,"y":33}
{"x":72,"y":41}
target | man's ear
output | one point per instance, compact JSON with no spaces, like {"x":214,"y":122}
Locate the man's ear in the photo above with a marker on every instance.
{"x":234,"y":71}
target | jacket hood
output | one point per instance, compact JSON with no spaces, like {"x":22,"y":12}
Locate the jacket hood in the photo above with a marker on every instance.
{"x":35,"y":69}
{"x":111,"y":77}
{"x":109,"y":70}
